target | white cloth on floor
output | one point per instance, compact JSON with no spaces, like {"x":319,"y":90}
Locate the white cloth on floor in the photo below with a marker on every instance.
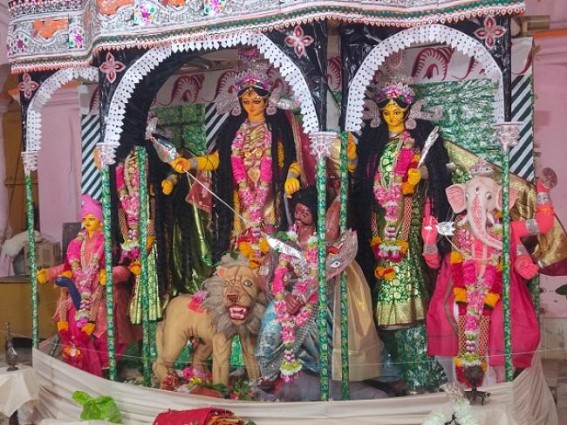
{"x":16,"y":388}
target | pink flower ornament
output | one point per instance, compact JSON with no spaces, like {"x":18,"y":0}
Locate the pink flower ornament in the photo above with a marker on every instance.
{"x":490,"y":32}
{"x":111,"y":67}
{"x":28,"y":86}
{"x":299,"y":41}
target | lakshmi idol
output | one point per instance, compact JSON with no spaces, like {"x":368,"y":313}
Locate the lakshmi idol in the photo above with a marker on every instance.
{"x":396,"y":176}
{"x":254,"y":168}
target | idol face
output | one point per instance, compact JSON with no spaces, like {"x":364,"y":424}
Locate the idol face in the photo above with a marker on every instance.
{"x":394,"y":116}
{"x":254,"y":105}
{"x":91,"y":223}
{"x":302,"y":215}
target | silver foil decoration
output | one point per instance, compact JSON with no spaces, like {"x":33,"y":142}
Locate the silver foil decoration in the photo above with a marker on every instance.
{"x":508,"y":133}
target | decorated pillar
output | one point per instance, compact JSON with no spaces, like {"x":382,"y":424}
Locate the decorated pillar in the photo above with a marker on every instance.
{"x":106,"y":159}
{"x":28,"y":85}
{"x":508,"y":133}
{"x":321,"y":149}
{"x":29,"y":159}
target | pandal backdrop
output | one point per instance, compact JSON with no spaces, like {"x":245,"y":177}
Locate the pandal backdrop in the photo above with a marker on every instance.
{"x":139,"y":59}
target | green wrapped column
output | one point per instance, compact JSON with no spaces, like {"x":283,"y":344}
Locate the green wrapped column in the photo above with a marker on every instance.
{"x":508,"y":133}
{"x":106,"y":152}
{"x":321,"y":148}
{"x":30,"y":164}
{"x":345,"y":372}
{"x":144,"y":286}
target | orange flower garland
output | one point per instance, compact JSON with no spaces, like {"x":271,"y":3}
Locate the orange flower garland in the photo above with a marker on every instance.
{"x":404,"y":178}
{"x":475,"y":296}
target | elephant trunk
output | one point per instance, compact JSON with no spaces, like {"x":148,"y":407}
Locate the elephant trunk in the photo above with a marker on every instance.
{"x":477,"y":218}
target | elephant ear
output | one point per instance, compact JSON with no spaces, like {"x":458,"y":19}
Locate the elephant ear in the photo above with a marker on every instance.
{"x":512,"y":196}
{"x":456,"y":197}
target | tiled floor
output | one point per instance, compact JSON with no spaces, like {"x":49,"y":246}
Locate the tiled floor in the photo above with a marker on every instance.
{"x":555,"y":372}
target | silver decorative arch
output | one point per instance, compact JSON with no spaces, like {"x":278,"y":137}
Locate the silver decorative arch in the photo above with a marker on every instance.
{"x":43,"y":95}
{"x":405,"y":39}
{"x":151,"y":59}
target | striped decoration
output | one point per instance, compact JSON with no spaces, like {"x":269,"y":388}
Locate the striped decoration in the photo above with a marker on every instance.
{"x":522,"y":155}
{"x":91,"y":135}
{"x":213,"y":122}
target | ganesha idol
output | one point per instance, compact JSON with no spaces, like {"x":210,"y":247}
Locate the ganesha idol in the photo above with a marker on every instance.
{"x":465,"y":317}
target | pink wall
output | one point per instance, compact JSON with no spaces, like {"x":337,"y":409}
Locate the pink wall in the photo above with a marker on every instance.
{"x":550,"y":122}
{"x":59,"y":167}
{"x":555,"y":9}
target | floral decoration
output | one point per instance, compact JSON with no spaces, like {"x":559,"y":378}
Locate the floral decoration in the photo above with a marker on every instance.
{"x":27,"y":85}
{"x":307,"y":280}
{"x":490,"y":32}
{"x":254,"y":246}
{"x":213,"y":7}
{"x":17,"y":44}
{"x":111,"y":67}
{"x":462,"y":412}
{"x":476,"y":296}
{"x":144,"y":14}
{"x":76,"y":37}
{"x":128,"y":185}
{"x":395,"y":90}
{"x":299,"y":41}
{"x":86,"y":278}
{"x":253,"y":177}
{"x":404,"y":179}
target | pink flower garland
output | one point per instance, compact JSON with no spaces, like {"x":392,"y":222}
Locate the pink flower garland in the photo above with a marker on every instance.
{"x":477,"y":289}
{"x":290,"y":366}
{"x":389,"y":197}
{"x":252,"y":199}
{"x":129,"y":197}
{"x":85,"y":273}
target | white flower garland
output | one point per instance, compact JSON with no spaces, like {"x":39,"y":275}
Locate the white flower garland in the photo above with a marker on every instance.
{"x":462,"y":412}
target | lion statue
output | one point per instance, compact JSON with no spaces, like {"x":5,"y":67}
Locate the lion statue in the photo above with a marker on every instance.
{"x":234,"y":305}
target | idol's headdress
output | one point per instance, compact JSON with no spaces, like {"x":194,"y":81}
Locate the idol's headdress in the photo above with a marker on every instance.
{"x":90,"y":206}
{"x":481,"y":168}
{"x":396,"y":90}
{"x":252,"y":73}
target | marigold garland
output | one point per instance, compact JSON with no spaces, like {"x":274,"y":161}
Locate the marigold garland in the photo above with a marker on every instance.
{"x":386,"y":273}
{"x":253,"y":195}
{"x":405,"y":177}
{"x":290,"y":365}
{"x":475,"y":296}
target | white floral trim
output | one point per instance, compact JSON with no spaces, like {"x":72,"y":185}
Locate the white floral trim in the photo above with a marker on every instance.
{"x":29,"y":159}
{"x":404,"y":39}
{"x":321,"y":142}
{"x":150,"y":60}
{"x":114,"y":121}
{"x":42,"y":96}
{"x":508,"y":134}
